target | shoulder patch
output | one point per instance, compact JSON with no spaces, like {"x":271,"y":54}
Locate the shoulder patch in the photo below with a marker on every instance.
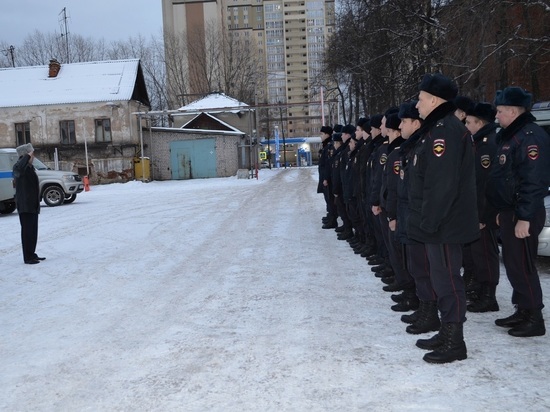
{"x":533,"y":151}
{"x":439,"y":147}
{"x":383,"y":159}
{"x":396,"y":166}
{"x":485,"y":161}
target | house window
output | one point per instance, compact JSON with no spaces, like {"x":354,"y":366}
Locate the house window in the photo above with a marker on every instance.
{"x":103,"y":130}
{"x":66,"y":130}
{"x":22,"y":133}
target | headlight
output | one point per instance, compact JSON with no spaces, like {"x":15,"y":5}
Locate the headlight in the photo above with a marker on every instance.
{"x":547,"y":221}
{"x":69,"y":178}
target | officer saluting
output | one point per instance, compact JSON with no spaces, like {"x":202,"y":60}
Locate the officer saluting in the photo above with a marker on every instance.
{"x":443,"y":216}
{"x":518,"y":184}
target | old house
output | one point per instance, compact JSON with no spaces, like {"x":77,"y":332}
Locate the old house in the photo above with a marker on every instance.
{"x":80,"y":115}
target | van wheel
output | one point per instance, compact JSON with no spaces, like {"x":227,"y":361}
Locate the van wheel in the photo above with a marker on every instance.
{"x":7,"y":208}
{"x":53,"y":196}
{"x":70,"y":199}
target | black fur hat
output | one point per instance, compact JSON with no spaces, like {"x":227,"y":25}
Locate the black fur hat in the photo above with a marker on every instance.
{"x":513,"y":96}
{"x":337,"y":128}
{"x":483,"y":111}
{"x":408,"y":110}
{"x":337,"y":137}
{"x":393,"y":121}
{"x":349,"y":128}
{"x":362,"y":121}
{"x":439,"y":85}
{"x":376,"y":121}
{"x":326,"y":129}
{"x":464,"y":103}
{"x":391,"y":110}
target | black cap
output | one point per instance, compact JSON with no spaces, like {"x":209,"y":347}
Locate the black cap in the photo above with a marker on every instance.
{"x":464,"y":103}
{"x":513,"y":96}
{"x":349,"y":129}
{"x":376,"y":121}
{"x":393,"y":121}
{"x":439,"y":85}
{"x":483,"y":111}
{"x":337,"y":137}
{"x":408,"y":110}
{"x":326,"y":129}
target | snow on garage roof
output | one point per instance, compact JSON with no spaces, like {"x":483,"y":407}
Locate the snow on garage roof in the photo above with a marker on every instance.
{"x":214,"y":103}
{"x":76,"y":83}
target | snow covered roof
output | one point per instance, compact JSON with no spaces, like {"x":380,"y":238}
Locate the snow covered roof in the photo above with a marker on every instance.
{"x":88,"y":82}
{"x":214,"y":103}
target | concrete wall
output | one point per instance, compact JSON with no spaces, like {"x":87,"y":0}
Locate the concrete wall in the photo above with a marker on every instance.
{"x":227,"y":151}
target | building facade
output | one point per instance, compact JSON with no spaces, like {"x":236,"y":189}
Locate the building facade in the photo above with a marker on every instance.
{"x":290,"y":38}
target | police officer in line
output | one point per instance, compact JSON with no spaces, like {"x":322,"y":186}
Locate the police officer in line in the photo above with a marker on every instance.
{"x":442,"y":214}
{"x":338,"y":166}
{"x":480,"y":122}
{"x":518,"y":183}
{"x":425,"y":318}
{"x":324,"y":186}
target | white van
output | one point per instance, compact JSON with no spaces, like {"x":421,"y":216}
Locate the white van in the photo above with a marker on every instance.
{"x":8,"y":157}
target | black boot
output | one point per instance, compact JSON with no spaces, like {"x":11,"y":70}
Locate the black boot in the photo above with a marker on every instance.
{"x":487,"y":301}
{"x":345,"y":235}
{"x":431,"y":343}
{"x":394,"y":286}
{"x":428,"y":320}
{"x":452,"y":346}
{"x":533,"y":325}
{"x":410,"y":302}
{"x":513,"y":320}
{"x":472,"y":287}
{"x":330,"y":224}
{"x":413,"y":317}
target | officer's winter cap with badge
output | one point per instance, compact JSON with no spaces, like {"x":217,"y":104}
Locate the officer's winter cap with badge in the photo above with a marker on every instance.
{"x":513,"y":96}
{"x":464,"y":103}
{"x":483,"y":111}
{"x":364,"y":123}
{"x":349,"y":129}
{"x":439,"y":85}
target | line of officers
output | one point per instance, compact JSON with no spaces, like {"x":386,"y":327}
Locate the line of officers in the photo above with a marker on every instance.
{"x":425,"y":191}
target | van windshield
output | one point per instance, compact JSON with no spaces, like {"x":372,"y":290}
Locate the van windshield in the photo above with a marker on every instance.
{"x":39,"y":165}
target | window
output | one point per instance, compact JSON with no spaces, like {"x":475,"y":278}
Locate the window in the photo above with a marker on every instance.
{"x":66,"y":130}
{"x":103,"y":130}
{"x":22,"y":133}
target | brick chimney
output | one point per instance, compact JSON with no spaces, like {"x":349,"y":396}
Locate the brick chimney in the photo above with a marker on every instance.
{"x":55,"y":66}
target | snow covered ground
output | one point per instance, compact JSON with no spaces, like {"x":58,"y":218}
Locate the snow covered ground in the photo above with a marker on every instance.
{"x":227,"y":295}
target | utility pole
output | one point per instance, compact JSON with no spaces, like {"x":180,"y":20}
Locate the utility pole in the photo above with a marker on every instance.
{"x":10,"y":51}
{"x":65,"y":34}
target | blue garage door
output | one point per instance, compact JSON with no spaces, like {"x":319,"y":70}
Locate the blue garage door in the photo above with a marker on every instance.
{"x":192,"y":159}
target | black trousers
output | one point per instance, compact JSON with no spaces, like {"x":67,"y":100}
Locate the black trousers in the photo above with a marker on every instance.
{"x":354,"y":214}
{"x":519,"y":259}
{"x":341,"y":208}
{"x":485,"y":257}
{"x":29,"y":234}
{"x":395,"y":251}
{"x":419,"y":268}
{"x":445,"y":262}
{"x":329,"y":200}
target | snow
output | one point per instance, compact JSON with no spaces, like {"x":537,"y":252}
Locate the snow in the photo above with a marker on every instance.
{"x":76,"y":83}
{"x":226,"y":295}
{"x":214,"y":103}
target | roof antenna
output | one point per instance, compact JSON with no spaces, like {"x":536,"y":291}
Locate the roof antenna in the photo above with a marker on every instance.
{"x":63,"y":22}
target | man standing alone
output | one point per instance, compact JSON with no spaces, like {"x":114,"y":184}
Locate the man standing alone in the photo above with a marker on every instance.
{"x":27,"y":198}
{"x":442,"y":199}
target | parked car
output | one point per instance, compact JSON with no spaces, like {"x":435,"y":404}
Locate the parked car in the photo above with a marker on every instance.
{"x":56,"y":186}
{"x":542,"y":112}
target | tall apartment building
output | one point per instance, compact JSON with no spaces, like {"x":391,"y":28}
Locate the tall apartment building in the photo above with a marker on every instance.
{"x":290,"y":38}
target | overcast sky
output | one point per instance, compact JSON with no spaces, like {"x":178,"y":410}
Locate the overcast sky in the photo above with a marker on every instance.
{"x":108,"y":19}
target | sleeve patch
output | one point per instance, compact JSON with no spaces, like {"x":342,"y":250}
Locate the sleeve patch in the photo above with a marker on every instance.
{"x":485,"y":161}
{"x":439,"y":147}
{"x":533,"y":152}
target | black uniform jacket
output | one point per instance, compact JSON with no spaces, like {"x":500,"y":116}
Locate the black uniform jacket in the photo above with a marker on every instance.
{"x":373,"y":146}
{"x":442,"y":192}
{"x":406,"y":154}
{"x":520,"y":174}
{"x":485,"y":148}
{"x":338,"y":166}
{"x":324,"y":164}
{"x":27,"y":196}
{"x":390,"y":174}
{"x":380,"y":157}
